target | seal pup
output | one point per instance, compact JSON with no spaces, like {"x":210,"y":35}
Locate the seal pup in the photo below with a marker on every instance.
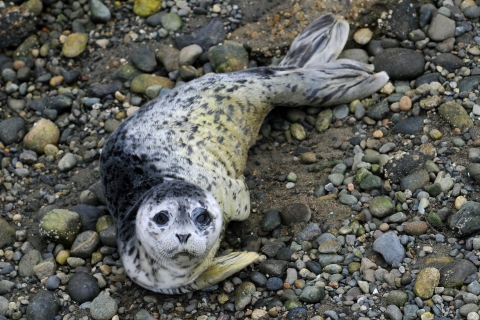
{"x":173,"y":171}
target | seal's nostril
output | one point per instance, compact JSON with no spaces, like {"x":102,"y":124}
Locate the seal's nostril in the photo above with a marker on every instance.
{"x":183,"y":238}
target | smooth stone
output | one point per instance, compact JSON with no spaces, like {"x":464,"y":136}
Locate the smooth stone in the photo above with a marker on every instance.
{"x":294,"y":213}
{"x":397,"y":298}
{"x":393,"y":312}
{"x":400,"y":63}
{"x":415,"y":228}
{"x":67,"y":163}
{"x":415,"y":180}
{"x":45,"y":268}
{"x":359,"y":55}
{"x":312,"y":294}
{"x":448,"y":61}
{"x":141,"y":82}
{"x":43,"y":133}
{"x":408,"y":126}
{"x":83,"y":287}
{"x":270,"y":220}
{"x":143,"y":58}
{"x":426,"y":282}
{"x":455,"y":115}
{"x":310,"y":232}
{"x":74,"y":45}
{"x":379,"y":111}
{"x":145,"y":8}
{"x":389,"y":246}
{"x":111,"y":125}
{"x":404,"y":19}
{"x":453,"y":274}
{"x":53,"y":282}
{"x":274,"y":284}
{"x":171,"y":21}
{"x":189,"y":54}
{"x":99,"y":12}
{"x":381,"y":206}
{"x":272,"y":267}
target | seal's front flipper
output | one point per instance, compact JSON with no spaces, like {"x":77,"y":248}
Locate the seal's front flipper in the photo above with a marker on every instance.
{"x":223,"y":267}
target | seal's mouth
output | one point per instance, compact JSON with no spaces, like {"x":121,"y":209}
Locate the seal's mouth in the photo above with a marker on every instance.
{"x":184,"y":255}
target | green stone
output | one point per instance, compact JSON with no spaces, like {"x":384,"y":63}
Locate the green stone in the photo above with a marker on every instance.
{"x":142,"y":82}
{"x":455,"y":115}
{"x":104,"y":222}
{"x":145,"y":8}
{"x":323,"y":121}
{"x":126,"y":73}
{"x":229,"y":57}
{"x":290,"y":304}
{"x":75,"y":45}
{"x":25,"y":49}
{"x":434,"y":220}
{"x":60,"y":226}
{"x":171,"y":21}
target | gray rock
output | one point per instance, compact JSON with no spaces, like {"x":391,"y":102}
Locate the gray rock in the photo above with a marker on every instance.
{"x":87,"y":197}
{"x":354,"y":54}
{"x":441,"y":28}
{"x":404,"y":19}
{"x":89,"y":215}
{"x":85,"y":244}
{"x":53,"y":282}
{"x":312,"y":294}
{"x":144,"y":59}
{"x":270,"y":220}
{"x":28,"y":262}
{"x":111,"y":125}
{"x":5,"y":286}
{"x":415,"y":180}
{"x":347,"y":199}
{"x":397,"y":298}
{"x":472,"y":12}
{"x":393,"y":312}
{"x":45,"y":268}
{"x":109,"y":236}
{"x":379,"y":111}
{"x":103,"y":307}
{"x":389,"y":246}
{"x":381,"y":206}
{"x":243,"y":295}
{"x":189,"y":54}
{"x":3,"y":305}
{"x":12,"y":130}
{"x":16,"y":23}
{"x":210,"y":35}
{"x":467,"y":219}
{"x":171,"y":21}
{"x":144,"y":315}
{"x":28,"y":157}
{"x":67,"y":163}
{"x":310,"y":232}
{"x":7,"y":234}
{"x":99,"y":12}
{"x":43,"y":306}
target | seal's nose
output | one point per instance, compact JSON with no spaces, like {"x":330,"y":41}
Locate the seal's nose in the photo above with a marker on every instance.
{"x":183,"y":238}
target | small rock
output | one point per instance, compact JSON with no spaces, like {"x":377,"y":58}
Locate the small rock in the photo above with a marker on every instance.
{"x":61,"y":226}
{"x":229,"y":57}
{"x":43,"y":306}
{"x":294,"y":213}
{"x":74,"y":45}
{"x":43,"y":133}
{"x":99,"y":12}
{"x":82,"y":287}
{"x":103,"y":307}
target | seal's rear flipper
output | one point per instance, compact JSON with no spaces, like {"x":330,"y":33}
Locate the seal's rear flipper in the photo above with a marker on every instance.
{"x":320,"y":42}
{"x":223,"y":267}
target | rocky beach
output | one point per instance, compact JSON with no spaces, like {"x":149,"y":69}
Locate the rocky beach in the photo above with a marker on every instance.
{"x":367,"y":210}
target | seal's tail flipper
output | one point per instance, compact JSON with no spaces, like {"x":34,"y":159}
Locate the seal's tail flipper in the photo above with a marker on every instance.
{"x":320,"y":42}
{"x":336,"y":82}
{"x":223,"y":267}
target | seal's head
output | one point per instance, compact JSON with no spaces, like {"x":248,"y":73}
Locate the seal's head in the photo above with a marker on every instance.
{"x":178,"y":224}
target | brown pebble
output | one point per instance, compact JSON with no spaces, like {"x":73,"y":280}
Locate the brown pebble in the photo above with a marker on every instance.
{"x":18,"y":64}
{"x":405,"y":103}
{"x":476,"y":143}
{"x":384,"y":227}
{"x":308,"y":158}
{"x":55,"y":81}
{"x":378,"y":134}
{"x":415,"y":228}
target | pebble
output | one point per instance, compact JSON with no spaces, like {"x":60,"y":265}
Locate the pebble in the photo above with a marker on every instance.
{"x":44,"y":305}
{"x":82,"y":287}
{"x":103,"y":307}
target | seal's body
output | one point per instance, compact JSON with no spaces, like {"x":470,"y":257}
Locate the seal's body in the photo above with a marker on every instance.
{"x":173,"y":172}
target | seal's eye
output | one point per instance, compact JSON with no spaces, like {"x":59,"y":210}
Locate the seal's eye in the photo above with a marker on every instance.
{"x":161,"y":218}
{"x":201,"y":217}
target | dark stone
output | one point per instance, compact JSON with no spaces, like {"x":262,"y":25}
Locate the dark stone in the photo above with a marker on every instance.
{"x":274,"y":284}
{"x":71,"y":77}
{"x":448,"y":61}
{"x":103,"y":90}
{"x":109,"y":236}
{"x":295,"y":212}
{"x":428,"y":78}
{"x":453,"y":274}
{"x":404,"y":19}
{"x":271,"y":248}
{"x":408,"y":126}
{"x":309,"y":233}
{"x":271,"y":220}
{"x":400,"y":63}
{"x":298,"y":313}
{"x":406,"y":163}
{"x":426,"y":12}
{"x":12,"y":130}
{"x":206,"y":37}
{"x":274,"y":268}
{"x":89,"y":215}
{"x":284,"y":254}
{"x":314,"y":266}
{"x":82,"y":287}
{"x":43,"y":306}
{"x":154,"y":19}
{"x":258,"y":279}
{"x":61,"y":103}
{"x":379,"y":111}
{"x":467,"y":220}
{"x":469,"y":83}
{"x":16,"y":24}
{"x":38,"y":104}
{"x":53,"y":282}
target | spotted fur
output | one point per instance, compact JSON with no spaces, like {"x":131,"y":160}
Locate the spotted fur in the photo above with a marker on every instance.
{"x":188,"y":149}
